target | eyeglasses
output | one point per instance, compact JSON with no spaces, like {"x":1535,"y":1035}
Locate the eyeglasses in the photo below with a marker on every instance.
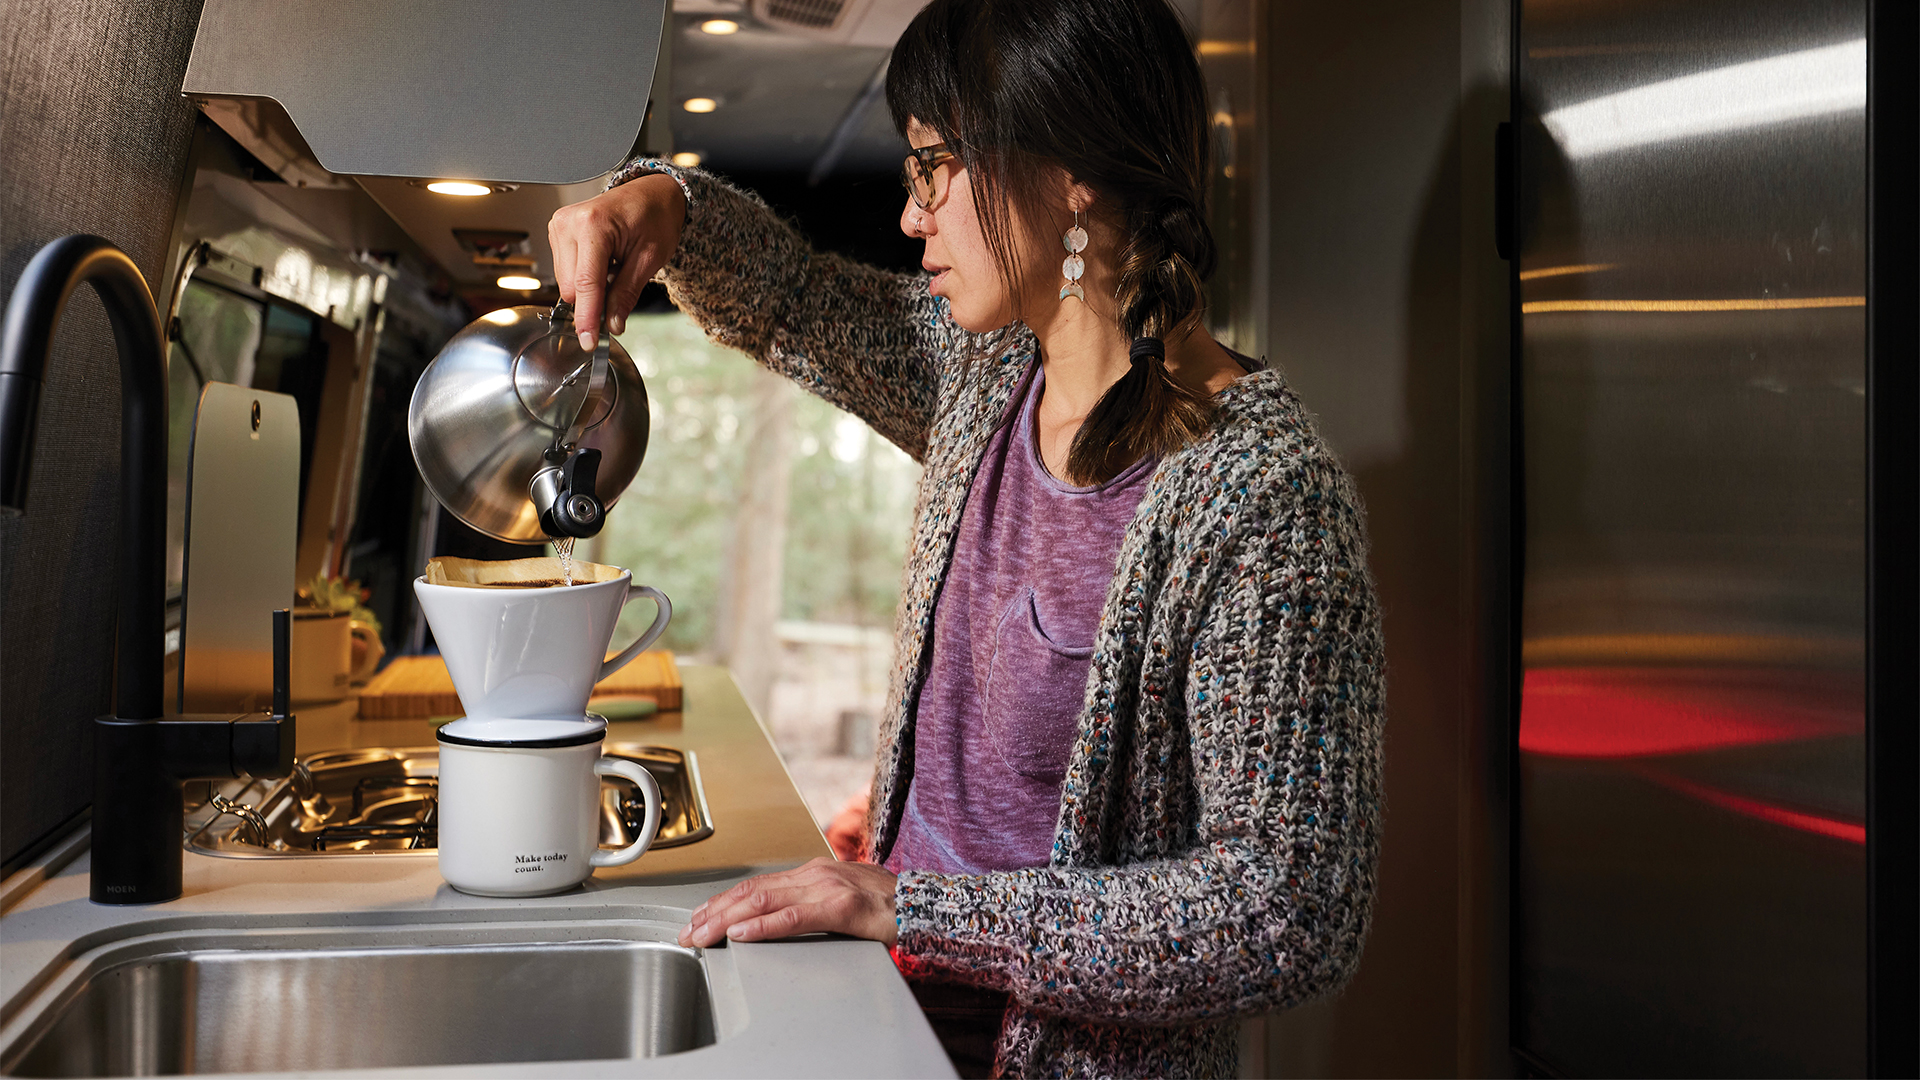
{"x":918,"y":174}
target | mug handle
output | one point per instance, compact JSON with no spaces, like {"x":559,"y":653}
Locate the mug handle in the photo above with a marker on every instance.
{"x":653,"y":632}
{"x":374,"y":650}
{"x":649,"y":791}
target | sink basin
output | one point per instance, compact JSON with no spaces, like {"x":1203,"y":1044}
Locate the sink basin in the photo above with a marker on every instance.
{"x":383,"y":801}
{"x":343,"y":999}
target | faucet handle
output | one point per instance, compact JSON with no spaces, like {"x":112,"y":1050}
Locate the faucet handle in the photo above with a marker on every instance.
{"x":282,"y":649}
{"x":263,"y":746}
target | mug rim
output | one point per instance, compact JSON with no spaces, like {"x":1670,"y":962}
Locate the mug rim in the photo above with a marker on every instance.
{"x":311,"y":613}
{"x":582,"y":738}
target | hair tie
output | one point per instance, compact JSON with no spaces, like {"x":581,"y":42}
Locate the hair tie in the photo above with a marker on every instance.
{"x":1147,"y":348}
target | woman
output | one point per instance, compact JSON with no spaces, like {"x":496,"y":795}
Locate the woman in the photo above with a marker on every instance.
{"x":1128,"y":785}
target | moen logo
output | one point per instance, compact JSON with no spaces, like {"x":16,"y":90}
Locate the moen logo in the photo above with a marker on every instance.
{"x":123,"y":888}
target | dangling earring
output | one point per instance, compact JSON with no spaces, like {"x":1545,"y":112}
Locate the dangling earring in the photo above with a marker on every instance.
{"x":1075,"y":241}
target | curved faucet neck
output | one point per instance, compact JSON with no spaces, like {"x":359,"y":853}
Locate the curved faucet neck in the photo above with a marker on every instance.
{"x":26,"y":342}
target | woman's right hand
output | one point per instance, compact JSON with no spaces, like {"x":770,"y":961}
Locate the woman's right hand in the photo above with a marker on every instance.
{"x":606,"y":248}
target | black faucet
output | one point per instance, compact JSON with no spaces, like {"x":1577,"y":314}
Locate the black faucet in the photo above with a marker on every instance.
{"x":139,"y":759}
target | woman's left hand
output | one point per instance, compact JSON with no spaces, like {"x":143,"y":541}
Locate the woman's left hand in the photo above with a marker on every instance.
{"x":824,"y":896}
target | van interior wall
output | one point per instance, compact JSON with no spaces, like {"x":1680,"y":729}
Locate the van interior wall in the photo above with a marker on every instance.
{"x":95,"y":136}
{"x":1389,"y":309}
{"x":1387,"y":312}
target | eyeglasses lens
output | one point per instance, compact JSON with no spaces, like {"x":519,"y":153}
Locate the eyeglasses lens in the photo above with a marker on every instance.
{"x":918,"y":180}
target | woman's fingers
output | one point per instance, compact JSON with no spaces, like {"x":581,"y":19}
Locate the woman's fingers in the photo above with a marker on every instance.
{"x":593,"y":250}
{"x":822,"y":896}
{"x":690,"y":933}
{"x":754,"y":896}
{"x":766,"y":899}
{"x":791,"y":921}
{"x":847,"y":832}
{"x":635,"y":227}
{"x":562,"y":237}
{"x":624,"y":293}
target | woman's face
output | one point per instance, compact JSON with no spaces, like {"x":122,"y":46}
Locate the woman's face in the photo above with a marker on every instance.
{"x":957,"y":254}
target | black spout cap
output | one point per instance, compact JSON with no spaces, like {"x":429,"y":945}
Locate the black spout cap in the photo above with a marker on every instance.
{"x":578,"y":516}
{"x":576,"y":511}
{"x":581,"y":472}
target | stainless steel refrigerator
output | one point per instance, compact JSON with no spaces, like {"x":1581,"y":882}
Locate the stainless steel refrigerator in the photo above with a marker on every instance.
{"x":1712,"y":469}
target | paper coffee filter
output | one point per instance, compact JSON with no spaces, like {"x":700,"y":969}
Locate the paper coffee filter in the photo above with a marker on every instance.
{"x":480,"y":574}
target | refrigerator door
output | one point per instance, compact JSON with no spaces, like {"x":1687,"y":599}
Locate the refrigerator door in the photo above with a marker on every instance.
{"x":1690,"y":878}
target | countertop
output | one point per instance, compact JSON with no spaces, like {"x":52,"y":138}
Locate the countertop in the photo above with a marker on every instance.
{"x":815,"y":1007}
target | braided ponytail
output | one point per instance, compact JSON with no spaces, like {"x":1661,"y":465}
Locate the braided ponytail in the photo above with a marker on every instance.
{"x":1163,"y":275}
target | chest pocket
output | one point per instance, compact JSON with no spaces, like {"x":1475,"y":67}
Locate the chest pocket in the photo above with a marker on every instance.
{"x":1034,"y":690}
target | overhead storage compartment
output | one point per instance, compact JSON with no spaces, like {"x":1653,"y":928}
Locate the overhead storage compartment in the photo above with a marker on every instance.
{"x":551,"y":93}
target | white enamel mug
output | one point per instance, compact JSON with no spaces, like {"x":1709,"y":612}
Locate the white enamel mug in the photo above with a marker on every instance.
{"x":520,"y":805}
{"x":533,"y":653}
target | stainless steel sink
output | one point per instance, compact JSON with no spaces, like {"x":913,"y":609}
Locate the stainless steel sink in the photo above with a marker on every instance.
{"x":383,"y":802}
{"x":340,"y":999}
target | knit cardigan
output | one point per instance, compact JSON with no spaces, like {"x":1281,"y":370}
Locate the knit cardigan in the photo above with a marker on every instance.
{"x":1219,"y":821}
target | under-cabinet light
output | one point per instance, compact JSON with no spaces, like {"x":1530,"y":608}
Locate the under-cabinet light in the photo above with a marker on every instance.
{"x":699,"y":104}
{"x":518,"y":282}
{"x":719,"y":26}
{"x":458,"y":187}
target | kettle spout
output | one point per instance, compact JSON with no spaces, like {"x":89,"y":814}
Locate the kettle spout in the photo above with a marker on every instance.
{"x":563,"y":492}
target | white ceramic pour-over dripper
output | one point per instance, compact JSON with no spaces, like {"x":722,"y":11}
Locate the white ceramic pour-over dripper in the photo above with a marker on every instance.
{"x":533,"y":653}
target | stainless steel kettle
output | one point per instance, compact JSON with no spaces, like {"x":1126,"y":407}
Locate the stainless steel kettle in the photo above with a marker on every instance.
{"x":523,"y":434}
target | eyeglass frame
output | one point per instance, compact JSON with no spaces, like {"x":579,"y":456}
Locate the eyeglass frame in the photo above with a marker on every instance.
{"x":929,"y":158}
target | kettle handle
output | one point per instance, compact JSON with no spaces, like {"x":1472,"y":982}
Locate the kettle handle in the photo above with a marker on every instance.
{"x":653,"y":632}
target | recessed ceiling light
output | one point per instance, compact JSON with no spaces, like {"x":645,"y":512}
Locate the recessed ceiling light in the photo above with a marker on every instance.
{"x":699,"y":104}
{"x":505,"y":316}
{"x":518,"y":282}
{"x":686,"y":159}
{"x":719,"y":26}
{"x":458,"y":187}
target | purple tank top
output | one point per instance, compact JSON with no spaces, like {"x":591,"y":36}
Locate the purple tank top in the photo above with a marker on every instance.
{"x":1012,"y":637}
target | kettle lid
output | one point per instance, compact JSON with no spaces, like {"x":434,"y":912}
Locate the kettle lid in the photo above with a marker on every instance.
{"x":499,"y":733}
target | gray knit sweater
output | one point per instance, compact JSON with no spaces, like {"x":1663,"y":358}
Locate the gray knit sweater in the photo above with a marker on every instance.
{"x":1219,"y":821}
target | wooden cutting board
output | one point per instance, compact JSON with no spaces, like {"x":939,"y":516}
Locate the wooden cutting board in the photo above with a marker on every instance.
{"x":418,"y":686}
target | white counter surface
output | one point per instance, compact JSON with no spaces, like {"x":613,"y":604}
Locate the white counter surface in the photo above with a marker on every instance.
{"x":811,"y":1007}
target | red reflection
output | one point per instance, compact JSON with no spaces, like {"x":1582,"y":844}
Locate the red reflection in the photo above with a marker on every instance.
{"x":1636,"y":712}
{"x":1851,"y":831}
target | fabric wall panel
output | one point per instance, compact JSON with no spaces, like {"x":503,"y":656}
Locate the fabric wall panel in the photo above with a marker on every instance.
{"x":94,"y":138}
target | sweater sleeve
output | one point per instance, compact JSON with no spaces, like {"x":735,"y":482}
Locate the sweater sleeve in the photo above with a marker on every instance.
{"x":868,"y":340}
{"x":1270,"y":904}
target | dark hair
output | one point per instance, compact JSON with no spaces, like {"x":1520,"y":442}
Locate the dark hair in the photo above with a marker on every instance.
{"x":1110,"y":92}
